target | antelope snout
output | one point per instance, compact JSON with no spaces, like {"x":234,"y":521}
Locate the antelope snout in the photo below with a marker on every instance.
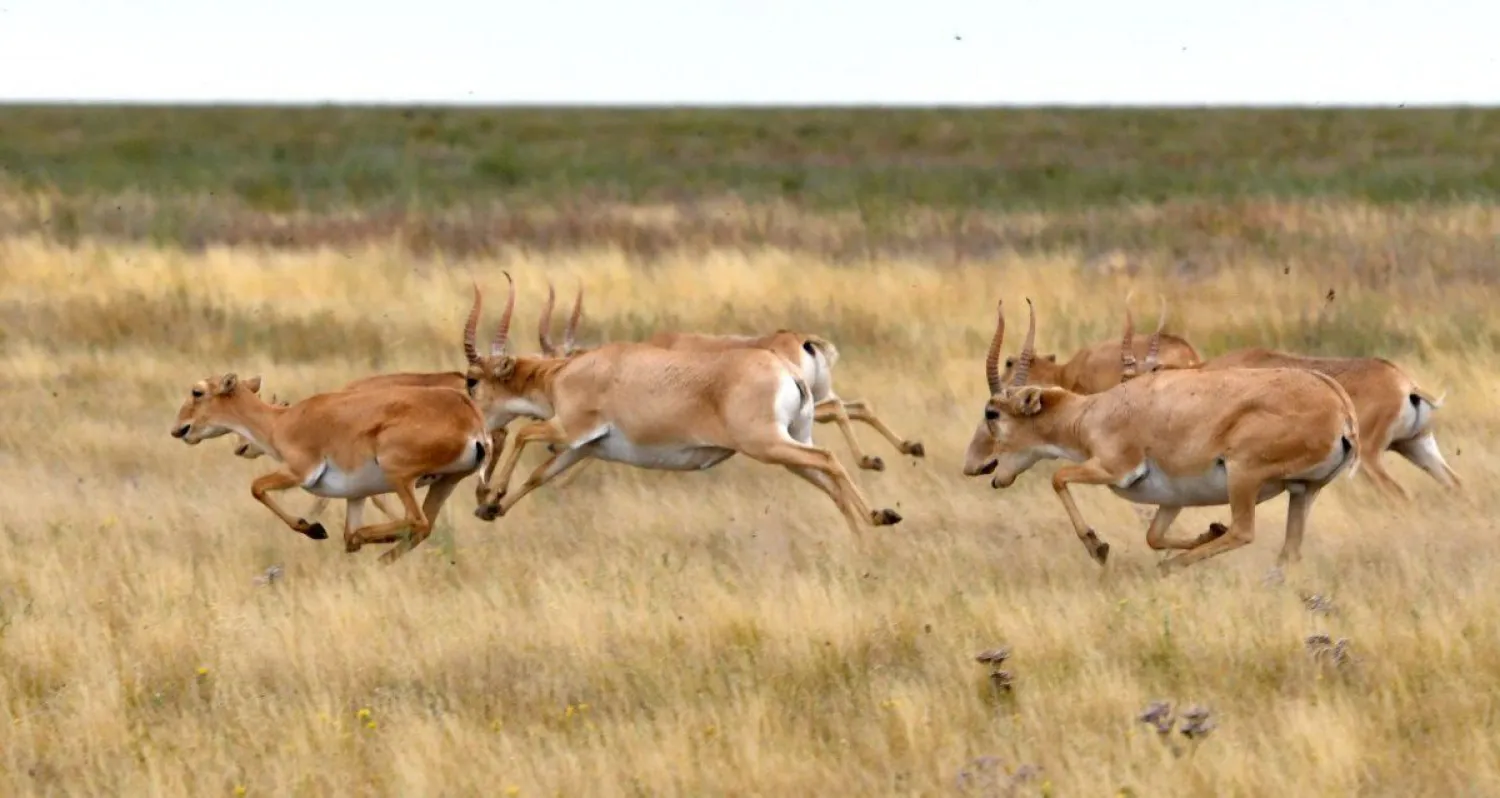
{"x":986,"y":467}
{"x":181,"y":431}
{"x":1002,"y":481}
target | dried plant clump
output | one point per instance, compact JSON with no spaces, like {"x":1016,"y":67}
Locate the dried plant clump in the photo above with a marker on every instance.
{"x":1317,"y":603}
{"x":270,"y":577}
{"x":989,"y":776}
{"x":1325,"y":650}
{"x":1196,"y":723}
{"x":1002,"y":680}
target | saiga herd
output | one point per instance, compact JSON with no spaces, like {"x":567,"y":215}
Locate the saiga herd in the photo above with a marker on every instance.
{"x":1154,"y":422}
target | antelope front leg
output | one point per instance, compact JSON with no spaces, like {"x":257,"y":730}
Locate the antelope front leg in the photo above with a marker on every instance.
{"x":497,"y":445}
{"x":832,"y":409}
{"x":489,"y":496}
{"x":861,"y":411}
{"x":544,"y":473}
{"x":281,"y":480}
{"x":1091,"y":472}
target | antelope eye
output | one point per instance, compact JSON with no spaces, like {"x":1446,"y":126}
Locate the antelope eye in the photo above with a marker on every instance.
{"x":471,"y":382}
{"x":990,"y":414}
{"x":197,"y":393}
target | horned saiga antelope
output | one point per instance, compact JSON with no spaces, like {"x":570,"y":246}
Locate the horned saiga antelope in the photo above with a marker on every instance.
{"x":659,"y":409}
{"x":349,"y":445}
{"x":1173,"y":439}
{"x":1103,"y":365}
{"x":813,"y":355}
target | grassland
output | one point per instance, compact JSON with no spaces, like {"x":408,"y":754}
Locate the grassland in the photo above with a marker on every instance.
{"x":640,"y":633}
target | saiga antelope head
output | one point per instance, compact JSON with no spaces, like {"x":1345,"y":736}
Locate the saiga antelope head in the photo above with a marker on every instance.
{"x":1005,"y":443}
{"x":212,"y":405}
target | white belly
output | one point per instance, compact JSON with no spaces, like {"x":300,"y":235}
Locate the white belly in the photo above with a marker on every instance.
{"x":331,"y":482}
{"x":1148,"y":484}
{"x":616,"y":448}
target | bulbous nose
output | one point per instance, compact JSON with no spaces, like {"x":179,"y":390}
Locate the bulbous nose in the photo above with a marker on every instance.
{"x":181,"y":431}
{"x":987,"y":467}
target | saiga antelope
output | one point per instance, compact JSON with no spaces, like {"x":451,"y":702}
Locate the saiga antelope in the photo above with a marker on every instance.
{"x":349,"y":445}
{"x":814,"y":355}
{"x":659,"y":409}
{"x":1173,"y":439}
{"x":1103,"y":365}
{"x":1395,"y":414}
{"x":437,"y":379}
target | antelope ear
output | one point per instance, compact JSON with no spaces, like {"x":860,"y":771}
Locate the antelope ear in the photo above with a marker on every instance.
{"x":505,"y":368}
{"x":1025,"y":401}
{"x":227,"y":384}
{"x":253,"y":384}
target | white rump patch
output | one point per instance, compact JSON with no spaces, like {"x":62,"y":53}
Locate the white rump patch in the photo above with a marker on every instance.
{"x":794,"y":414}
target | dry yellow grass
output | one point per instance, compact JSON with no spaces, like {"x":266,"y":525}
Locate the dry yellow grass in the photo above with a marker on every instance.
{"x":641,"y":633}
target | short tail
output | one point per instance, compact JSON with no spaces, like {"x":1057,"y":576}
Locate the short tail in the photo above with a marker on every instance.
{"x":1350,"y":441}
{"x":816,"y":345}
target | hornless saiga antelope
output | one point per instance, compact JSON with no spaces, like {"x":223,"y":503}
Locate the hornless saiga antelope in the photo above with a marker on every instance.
{"x":349,"y":445}
{"x":660,"y":409}
{"x":1174,"y":439}
{"x":813,"y":355}
{"x":1103,"y":365}
{"x":1395,"y":414}
{"x":453,"y":380}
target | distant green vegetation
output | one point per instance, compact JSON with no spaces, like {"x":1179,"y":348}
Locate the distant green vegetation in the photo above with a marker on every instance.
{"x":417,"y":159}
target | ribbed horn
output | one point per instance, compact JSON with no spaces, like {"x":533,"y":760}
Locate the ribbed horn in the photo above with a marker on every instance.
{"x":502,"y":333}
{"x":569,"y":339}
{"x":1127,"y":343}
{"x":1153,"y":351}
{"x":1028,"y":349}
{"x":471,"y":327}
{"x":992,"y":360}
{"x":544,"y":325}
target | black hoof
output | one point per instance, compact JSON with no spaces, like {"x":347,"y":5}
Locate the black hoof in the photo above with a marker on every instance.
{"x":872,"y":463}
{"x":487,"y":512}
{"x":1215,"y":531}
{"x":315,"y":531}
{"x":1098,"y":549}
{"x":916,"y":449}
{"x":887,"y":517}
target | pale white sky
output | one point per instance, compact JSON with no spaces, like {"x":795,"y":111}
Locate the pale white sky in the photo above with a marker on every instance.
{"x":1331,"y":52}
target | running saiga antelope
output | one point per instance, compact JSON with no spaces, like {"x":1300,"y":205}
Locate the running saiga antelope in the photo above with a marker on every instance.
{"x":453,"y":380}
{"x":349,"y":445}
{"x":659,"y":409}
{"x":1395,"y":414}
{"x":812,"y":353}
{"x":1103,"y":365}
{"x":815,"y":358}
{"x":1173,"y":439}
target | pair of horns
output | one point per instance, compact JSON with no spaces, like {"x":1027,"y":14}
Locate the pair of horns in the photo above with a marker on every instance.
{"x":502,"y":333}
{"x":544,"y":327}
{"x":1028,"y":350}
{"x":1128,"y":368}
